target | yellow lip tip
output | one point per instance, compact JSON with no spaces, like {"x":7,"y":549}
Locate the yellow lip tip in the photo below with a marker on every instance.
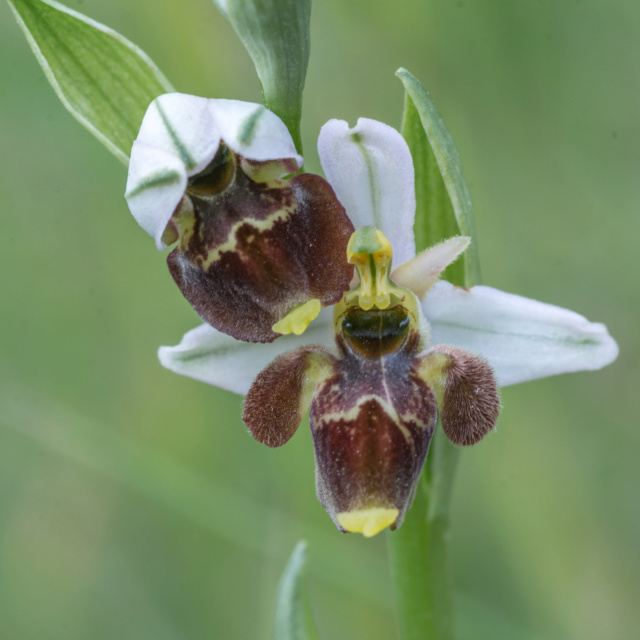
{"x":368,"y":522}
{"x":298,"y":319}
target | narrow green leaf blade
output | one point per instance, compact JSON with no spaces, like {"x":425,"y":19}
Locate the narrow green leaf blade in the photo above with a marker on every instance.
{"x":442,"y":196}
{"x":292,"y":619}
{"x":435,"y":219}
{"x":276,"y":35}
{"x":104,"y":80}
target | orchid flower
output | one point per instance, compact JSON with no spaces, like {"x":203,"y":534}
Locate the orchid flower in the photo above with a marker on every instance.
{"x":212,"y":175}
{"x":399,"y":348}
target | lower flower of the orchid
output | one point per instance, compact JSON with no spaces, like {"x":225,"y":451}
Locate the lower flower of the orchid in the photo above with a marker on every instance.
{"x":368,"y":371}
{"x":373,"y":407}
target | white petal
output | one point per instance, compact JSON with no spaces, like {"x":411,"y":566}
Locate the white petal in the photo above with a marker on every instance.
{"x":155,"y":185}
{"x":371,"y":170}
{"x":423,"y":271}
{"x":522,"y":339}
{"x":253,"y":131}
{"x":214,"y":357}
{"x":184,"y":126}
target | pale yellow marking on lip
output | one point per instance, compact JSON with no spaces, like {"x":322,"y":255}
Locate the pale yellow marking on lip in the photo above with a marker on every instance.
{"x":352,"y":414}
{"x":368,"y":522}
{"x":184,"y":220}
{"x":232,"y":241}
{"x":432,"y":370}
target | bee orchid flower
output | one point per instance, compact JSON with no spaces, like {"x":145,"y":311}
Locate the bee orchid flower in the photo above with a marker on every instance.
{"x":215,"y":177}
{"x":398,"y":349}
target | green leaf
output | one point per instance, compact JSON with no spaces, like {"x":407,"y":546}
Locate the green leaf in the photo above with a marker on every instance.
{"x":276,"y":35}
{"x":292,"y":619}
{"x":443,"y":203}
{"x":104,"y":80}
{"x":435,"y":219}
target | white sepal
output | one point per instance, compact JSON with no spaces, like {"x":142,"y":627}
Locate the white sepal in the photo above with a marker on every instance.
{"x":155,"y":185}
{"x":218,"y":359}
{"x":522,"y":339}
{"x":371,"y":170}
{"x":222,"y":7}
{"x":184,"y":126}
{"x":180,"y":134}
{"x":253,"y":131}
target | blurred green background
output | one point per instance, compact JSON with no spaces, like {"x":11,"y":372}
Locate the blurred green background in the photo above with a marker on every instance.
{"x":134,"y":504}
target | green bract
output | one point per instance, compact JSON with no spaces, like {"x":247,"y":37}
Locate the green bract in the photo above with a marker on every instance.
{"x":432,"y":211}
{"x":292,"y":619}
{"x":104,"y":80}
{"x":276,"y":35}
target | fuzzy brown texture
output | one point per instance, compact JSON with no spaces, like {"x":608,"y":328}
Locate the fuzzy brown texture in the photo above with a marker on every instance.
{"x":471,"y":402}
{"x":276,"y":403}
{"x":267,"y":272}
{"x":372,"y":423}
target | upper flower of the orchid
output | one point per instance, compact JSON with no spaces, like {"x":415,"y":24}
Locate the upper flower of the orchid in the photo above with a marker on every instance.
{"x":211,"y":175}
{"x":370,"y":374}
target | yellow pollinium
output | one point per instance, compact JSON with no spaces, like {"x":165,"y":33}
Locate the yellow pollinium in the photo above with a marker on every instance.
{"x":298,"y":319}
{"x":368,"y":522}
{"x":370,"y":253}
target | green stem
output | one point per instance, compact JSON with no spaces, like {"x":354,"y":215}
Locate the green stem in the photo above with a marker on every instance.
{"x":420,"y":551}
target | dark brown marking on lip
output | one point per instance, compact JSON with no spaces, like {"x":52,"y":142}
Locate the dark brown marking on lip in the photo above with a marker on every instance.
{"x":261,"y":274}
{"x":372,"y":423}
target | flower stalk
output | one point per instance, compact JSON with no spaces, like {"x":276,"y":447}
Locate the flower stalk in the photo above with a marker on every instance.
{"x":419,"y":551}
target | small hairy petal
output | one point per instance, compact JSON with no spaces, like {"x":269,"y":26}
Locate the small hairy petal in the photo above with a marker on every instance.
{"x":467,"y":392}
{"x":423,"y":271}
{"x":281,"y":394}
